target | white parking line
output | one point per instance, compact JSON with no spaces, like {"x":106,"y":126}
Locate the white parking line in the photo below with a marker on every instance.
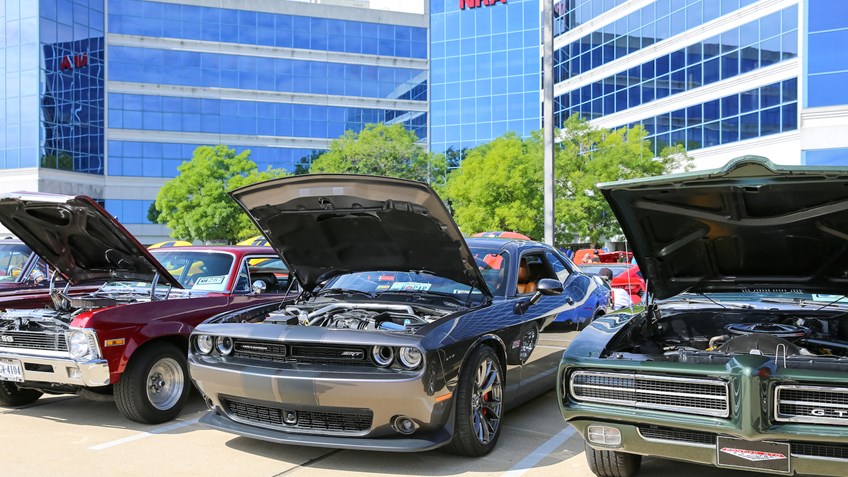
{"x":540,"y":453}
{"x":142,"y":435}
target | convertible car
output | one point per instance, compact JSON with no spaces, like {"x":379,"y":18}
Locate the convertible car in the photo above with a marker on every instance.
{"x":405,"y":337}
{"x":739,"y":357}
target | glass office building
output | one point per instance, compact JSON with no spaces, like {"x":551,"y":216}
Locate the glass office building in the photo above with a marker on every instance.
{"x":485,"y":71}
{"x":724,"y":78}
{"x":108,"y":97}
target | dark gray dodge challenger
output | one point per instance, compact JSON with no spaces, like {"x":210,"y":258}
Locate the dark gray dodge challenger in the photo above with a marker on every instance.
{"x":405,"y":337}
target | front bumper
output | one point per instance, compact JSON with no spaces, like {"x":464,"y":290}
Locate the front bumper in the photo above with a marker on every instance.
{"x":360,"y":406}
{"x":692,"y":446}
{"x":61,"y":370}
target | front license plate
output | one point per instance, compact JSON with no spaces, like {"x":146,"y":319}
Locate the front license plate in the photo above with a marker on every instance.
{"x":10,"y":370}
{"x":753,"y":455}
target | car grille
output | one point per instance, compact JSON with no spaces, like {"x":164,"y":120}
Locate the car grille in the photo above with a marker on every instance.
{"x":336,"y":421}
{"x":822,"y":451}
{"x":33,"y":340}
{"x":811,"y":404}
{"x":301,"y":353}
{"x":677,"y":435}
{"x":667,"y":393}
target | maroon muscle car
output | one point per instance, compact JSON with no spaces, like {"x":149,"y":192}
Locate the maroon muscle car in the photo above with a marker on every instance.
{"x":129,"y":338}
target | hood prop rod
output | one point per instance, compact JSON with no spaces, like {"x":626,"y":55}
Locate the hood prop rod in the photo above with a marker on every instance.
{"x":153,"y":286}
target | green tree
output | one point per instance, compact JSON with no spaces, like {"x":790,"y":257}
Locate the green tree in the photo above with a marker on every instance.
{"x":500,"y":184}
{"x":380,"y":149}
{"x":195,"y":204}
{"x":587,"y":155}
{"x":499,"y":187}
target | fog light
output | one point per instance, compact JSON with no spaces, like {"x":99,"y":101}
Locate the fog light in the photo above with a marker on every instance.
{"x":404,"y":425}
{"x":290,"y":418}
{"x":608,"y":436}
{"x":74,"y":373}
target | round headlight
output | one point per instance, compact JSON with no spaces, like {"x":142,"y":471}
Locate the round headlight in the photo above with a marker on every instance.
{"x":410,"y":357}
{"x":382,"y":355}
{"x":225,"y":345}
{"x":204,"y":344}
{"x":78,"y":345}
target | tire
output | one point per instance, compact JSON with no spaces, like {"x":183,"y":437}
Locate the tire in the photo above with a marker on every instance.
{"x":12,"y":395}
{"x":155,"y":385}
{"x":612,"y":463}
{"x":479,"y":407}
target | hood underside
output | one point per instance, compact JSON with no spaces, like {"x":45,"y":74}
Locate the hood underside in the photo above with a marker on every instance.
{"x":79,"y":238}
{"x":323,"y":225}
{"x":748,"y":226}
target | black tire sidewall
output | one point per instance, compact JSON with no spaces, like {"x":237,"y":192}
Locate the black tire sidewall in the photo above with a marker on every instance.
{"x":130,"y":390}
{"x":464,"y":439}
{"x":12,"y":395}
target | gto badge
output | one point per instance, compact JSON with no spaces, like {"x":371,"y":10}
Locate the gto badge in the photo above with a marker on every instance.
{"x":7,"y":339}
{"x":752,"y":455}
{"x":828,"y":413}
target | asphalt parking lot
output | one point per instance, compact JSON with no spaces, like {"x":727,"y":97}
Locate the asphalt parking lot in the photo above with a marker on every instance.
{"x":70,"y":436}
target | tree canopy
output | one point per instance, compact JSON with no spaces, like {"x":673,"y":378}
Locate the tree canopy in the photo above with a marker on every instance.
{"x":500,"y":184}
{"x":380,"y":149}
{"x":195,"y":204}
{"x":499,"y":187}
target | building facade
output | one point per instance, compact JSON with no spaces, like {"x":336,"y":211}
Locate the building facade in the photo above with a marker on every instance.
{"x":485,"y":69}
{"x":108,"y":97}
{"x":724,"y":78}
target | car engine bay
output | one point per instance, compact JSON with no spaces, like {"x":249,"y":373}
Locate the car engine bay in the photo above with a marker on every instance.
{"x":711,"y":336}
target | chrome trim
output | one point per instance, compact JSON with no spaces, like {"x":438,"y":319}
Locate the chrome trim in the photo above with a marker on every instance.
{"x":777,"y":416}
{"x":671,"y":441}
{"x":93,"y":372}
{"x":572,"y":388}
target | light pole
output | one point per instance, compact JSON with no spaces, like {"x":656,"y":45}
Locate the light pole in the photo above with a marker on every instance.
{"x":548,"y":114}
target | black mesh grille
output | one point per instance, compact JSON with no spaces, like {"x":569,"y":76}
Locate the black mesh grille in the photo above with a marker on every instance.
{"x":820,"y":450}
{"x":33,"y":340}
{"x":677,"y":435}
{"x":301,"y":353}
{"x":332,"y":420}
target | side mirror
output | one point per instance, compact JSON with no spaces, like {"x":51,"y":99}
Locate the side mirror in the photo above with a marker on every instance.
{"x":259,"y":287}
{"x":546,"y":286}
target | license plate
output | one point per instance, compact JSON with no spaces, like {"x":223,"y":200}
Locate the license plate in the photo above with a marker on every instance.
{"x":753,"y":455}
{"x":10,"y":370}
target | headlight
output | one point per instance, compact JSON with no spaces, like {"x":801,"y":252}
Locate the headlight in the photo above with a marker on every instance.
{"x":225,"y":345}
{"x":81,"y":344}
{"x":410,"y":357}
{"x":204,"y":344}
{"x":382,"y":355}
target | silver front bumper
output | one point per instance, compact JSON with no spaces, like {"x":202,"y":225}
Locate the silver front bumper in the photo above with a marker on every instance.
{"x":61,"y":370}
{"x":381,"y":395}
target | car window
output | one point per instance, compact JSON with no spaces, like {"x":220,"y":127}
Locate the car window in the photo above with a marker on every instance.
{"x":197,"y":270}
{"x":560,"y":268}
{"x":493,"y":264}
{"x":272,"y":271}
{"x":13,"y":257}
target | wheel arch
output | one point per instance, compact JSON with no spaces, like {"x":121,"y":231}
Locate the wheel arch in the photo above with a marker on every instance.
{"x":494,"y":342}
{"x":178,"y":340}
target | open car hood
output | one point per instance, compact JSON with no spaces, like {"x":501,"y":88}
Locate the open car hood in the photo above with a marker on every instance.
{"x":79,"y":238}
{"x":750,"y":225}
{"x":324,"y":225}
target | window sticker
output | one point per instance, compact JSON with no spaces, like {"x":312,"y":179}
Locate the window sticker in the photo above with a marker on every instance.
{"x":410,"y":286}
{"x":213,"y":280}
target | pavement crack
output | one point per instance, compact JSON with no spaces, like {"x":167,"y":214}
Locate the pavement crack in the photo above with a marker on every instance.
{"x":308,"y":463}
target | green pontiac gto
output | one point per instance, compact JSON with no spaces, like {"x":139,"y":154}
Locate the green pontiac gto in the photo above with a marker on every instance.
{"x":739,"y":356}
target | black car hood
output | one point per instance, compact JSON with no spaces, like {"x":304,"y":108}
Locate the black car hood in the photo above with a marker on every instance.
{"x":750,"y":225}
{"x":78,"y":237}
{"x":323,"y":225}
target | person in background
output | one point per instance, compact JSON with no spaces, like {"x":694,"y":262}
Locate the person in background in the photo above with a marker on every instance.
{"x":620,"y":297}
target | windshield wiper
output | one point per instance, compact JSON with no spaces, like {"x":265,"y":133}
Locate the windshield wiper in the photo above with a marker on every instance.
{"x":709,"y":301}
{"x":421,"y":292}
{"x":806,"y":302}
{"x":343,"y":291}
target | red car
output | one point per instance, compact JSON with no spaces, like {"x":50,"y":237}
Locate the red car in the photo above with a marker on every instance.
{"x":129,"y":338}
{"x":624,"y":275}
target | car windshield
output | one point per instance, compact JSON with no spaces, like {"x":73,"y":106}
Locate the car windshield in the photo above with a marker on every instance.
{"x":13,"y":257}
{"x":767,"y":298}
{"x":196,"y":269}
{"x":595,"y":268}
{"x":491,"y":263}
